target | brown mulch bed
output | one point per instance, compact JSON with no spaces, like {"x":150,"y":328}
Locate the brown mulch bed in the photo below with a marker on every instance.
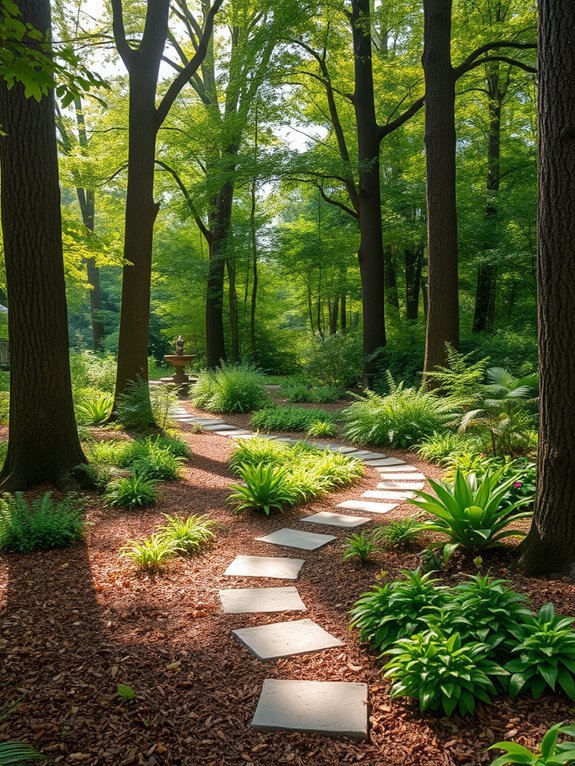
{"x":77,"y":622}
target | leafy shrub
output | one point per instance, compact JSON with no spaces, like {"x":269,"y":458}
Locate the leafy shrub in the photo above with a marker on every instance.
{"x":233,"y":388}
{"x":285,"y":418}
{"x":41,"y":525}
{"x":266,"y":489}
{"x":522,"y":470}
{"x":262,"y":450}
{"x":190,"y":535}
{"x":148,"y":555}
{"x":361,"y":545}
{"x":399,"y":534}
{"x":335,"y":360}
{"x":546,"y":654}
{"x":442,"y":673}
{"x":163,"y":400}
{"x":109,"y":452}
{"x":131,"y":492}
{"x":472,"y":512}
{"x":322,"y":428}
{"x":446,"y":446}
{"x":551,"y":752}
{"x":95,"y":411}
{"x":399,"y":419}
{"x":304,"y":390}
{"x":397,"y":609}
{"x":461,"y":377}
{"x":134,"y":406}
{"x":91,"y":370}
{"x":152,"y":460}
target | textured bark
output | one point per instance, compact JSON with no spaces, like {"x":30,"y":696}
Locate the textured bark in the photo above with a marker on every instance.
{"x":443,"y":292}
{"x":413,"y":259}
{"x":391,"y":296}
{"x":550,"y":546}
{"x":43,"y":440}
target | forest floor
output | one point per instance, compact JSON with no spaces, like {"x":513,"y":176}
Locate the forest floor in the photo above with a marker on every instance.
{"x":77,"y":622}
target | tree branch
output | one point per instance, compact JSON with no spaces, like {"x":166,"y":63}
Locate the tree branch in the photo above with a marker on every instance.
{"x":127,"y":54}
{"x":389,"y":127}
{"x":200,"y":224}
{"x":504,"y":59}
{"x":466,"y":63}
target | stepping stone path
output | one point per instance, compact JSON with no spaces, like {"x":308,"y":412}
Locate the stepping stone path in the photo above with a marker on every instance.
{"x":332,"y":708}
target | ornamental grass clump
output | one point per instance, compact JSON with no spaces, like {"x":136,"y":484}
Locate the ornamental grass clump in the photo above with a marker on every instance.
{"x":188,"y":535}
{"x":232,"y":388}
{"x":42,"y":524}
{"x":135,"y":491}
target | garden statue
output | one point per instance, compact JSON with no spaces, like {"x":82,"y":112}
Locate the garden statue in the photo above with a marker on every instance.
{"x":179,"y":361}
{"x":179,"y":345}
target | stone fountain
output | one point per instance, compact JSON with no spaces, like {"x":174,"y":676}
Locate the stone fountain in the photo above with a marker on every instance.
{"x":179,"y":360}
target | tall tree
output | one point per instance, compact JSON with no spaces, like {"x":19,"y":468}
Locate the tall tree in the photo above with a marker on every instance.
{"x":145,"y":119}
{"x":43,"y":440}
{"x":550,"y":546}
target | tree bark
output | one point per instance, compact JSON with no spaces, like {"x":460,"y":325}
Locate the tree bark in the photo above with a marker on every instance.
{"x":391,"y":296}
{"x":413,"y":258}
{"x":443,"y":289}
{"x":550,"y":546}
{"x":43,"y":440}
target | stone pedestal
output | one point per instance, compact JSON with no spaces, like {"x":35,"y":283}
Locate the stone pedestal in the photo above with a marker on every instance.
{"x":180,"y":380}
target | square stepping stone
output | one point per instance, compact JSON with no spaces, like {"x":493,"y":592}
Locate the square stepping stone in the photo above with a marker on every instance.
{"x":397,"y":468}
{"x":331,"y":708}
{"x":366,"y":456}
{"x":390,"y":494}
{"x":383,"y":461}
{"x":293,"y":538}
{"x":367,"y":506}
{"x":265,"y":566}
{"x":401,"y":476}
{"x":339,"y":448}
{"x":202,"y":421}
{"x":395,"y":484}
{"x":285,"y":639}
{"x":219,"y":427}
{"x":336,"y":520}
{"x":246,"y":600}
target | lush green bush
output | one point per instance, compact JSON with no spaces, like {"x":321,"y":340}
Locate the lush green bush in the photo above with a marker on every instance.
{"x":131,"y":492}
{"x":442,"y":673}
{"x":90,"y":370}
{"x":446,"y":446}
{"x":94,"y":411}
{"x":322,"y":428}
{"x":301,"y":389}
{"x":400,"y":419}
{"x":190,"y":535}
{"x":335,"y":360}
{"x":41,"y":525}
{"x":522,"y":470}
{"x":267,"y":488}
{"x":109,"y":452}
{"x":233,"y":388}
{"x":513,"y":349}
{"x":4,"y":407}
{"x":149,"y":555}
{"x":151,"y":459}
{"x":551,"y":752}
{"x":290,"y":418}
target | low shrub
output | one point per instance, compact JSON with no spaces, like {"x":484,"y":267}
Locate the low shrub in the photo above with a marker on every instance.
{"x":109,"y":452}
{"x":399,"y":419}
{"x":91,"y":370}
{"x":322,"y":428}
{"x":233,"y":388}
{"x":267,"y":488}
{"x":131,"y":492}
{"x":551,"y":751}
{"x":400,"y":533}
{"x":361,"y":545}
{"x":189,"y":535}
{"x":151,"y":459}
{"x":148,"y":555}
{"x":335,"y":360}
{"x":287,"y":418}
{"x":305,"y":390}
{"x":95,"y":411}
{"x":522,"y":470}
{"x":43,"y":524}
{"x":446,"y":446}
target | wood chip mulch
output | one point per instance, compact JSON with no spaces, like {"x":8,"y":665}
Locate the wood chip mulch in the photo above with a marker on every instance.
{"x":75,"y":623}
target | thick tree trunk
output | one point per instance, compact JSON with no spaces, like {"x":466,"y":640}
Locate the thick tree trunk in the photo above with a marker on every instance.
{"x":233,"y":305}
{"x":443,"y":289}
{"x":43,"y":440}
{"x":371,"y":258}
{"x":550,"y":546}
{"x":413,"y":263}
{"x":391,"y":296}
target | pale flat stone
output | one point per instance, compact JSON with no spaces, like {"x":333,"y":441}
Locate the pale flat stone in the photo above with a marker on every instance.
{"x":339,"y":448}
{"x":366,"y":454}
{"x":331,"y":708}
{"x":336,"y":520}
{"x":367,"y":506}
{"x":408,"y":485}
{"x":390,"y":494}
{"x":293,"y":538}
{"x":397,"y":468}
{"x":201,"y":421}
{"x":401,"y":476}
{"x":383,"y":461}
{"x":285,"y":639}
{"x":246,"y":600}
{"x":232,"y":434}
{"x":238,"y":435}
{"x":219,"y":427}
{"x":265,"y":566}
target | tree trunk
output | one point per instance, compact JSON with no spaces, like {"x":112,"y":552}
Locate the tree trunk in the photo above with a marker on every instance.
{"x":43,"y":440}
{"x":550,"y":546}
{"x":233,"y":303}
{"x":443,"y":291}
{"x":371,"y":259}
{"x":413,"y":264}
{"x":333,"y":316}
{"x":343,"y":311}
{"x":391,"y":296}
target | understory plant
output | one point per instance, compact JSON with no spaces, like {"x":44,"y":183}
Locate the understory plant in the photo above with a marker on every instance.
{"x":551,"y":752}
{"x":95,"y":411}
{"x":188,"y":535}
{"x":232,"y":388}
{"x":444,"y":446}
{"x":321,"y":428}
{"x":287,"y":418}
{"x":149,"y":555}
{"x":472,"y":512}
{"x":41,"y":524}
{"x":301,"y":389}
{"x":155,"y":461}
{"x":135,"y":491}
{"x":134,"y":406}
{"x":361,"y":545}
{"x":399,"y":533}
{"x":266,"y":488}
{"x":399,"y":419}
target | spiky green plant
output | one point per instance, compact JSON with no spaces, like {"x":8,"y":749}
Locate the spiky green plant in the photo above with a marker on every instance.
{"x":266,"y":489}
{"x":95,"y":411}
{"x":133,"y":491}
{"x":189,"y":535}
{"x":232,"y":388}
{"x":551,"y":751}
{"x":149,"y":555}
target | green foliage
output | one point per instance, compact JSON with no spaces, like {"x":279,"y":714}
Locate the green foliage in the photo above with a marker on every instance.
{"x":400,"y":419}
{"x":40,"y":525}
{"x":18,"y":752}
{"x":125,"y":693}
{"x":461,"y":378}
{"x":551,"y":752}
{"x":149,"y":555}
{"x":134,"y":406}
{"x":163,"y":399}
{"x":109,"y":451}
{"x":397,"y":609}
{"x":286,"y":418}
{"x":133,"y":491}
{"x":262,"y":450}
{"x":267,"y":488}
{"x":361,"y":545}
{"x":444,"y":446}
{"x":545,"y":655}
{"x":4,"y":407}
{"x":322,"y":428}
{"x":400,"y":533}
{"x":302,"y":389}
{"x":232,"y":388}
{"x":90,"y":370}
{"x":471,"y":511}
{"x":95,"y":411}
{"x":442,"y":673}
{"x":190,"y":535}
{"x":334,"y":360}
{"x":149,"y":458}
{"x":522,"y":470}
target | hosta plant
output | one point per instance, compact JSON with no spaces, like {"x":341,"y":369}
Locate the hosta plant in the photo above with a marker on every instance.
{"x":266,"y":489}
{"x":397,"y":609}
{"x":544,"y":655}
{"x":471,"y":511}
{"x":441,"y":672}
{"x":551,"y":752}
{"x":133,"y":491}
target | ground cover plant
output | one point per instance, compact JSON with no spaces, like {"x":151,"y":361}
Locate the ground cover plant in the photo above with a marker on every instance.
{"x":40,"y":524}
{"x":279,"y":475}
{"x":231,"y":388}
{"x":95,"y":410}
{"x":553,"y":750}
{"x":302,"y":389}
{"x":135,"y":491}
{"x":289,"y":418}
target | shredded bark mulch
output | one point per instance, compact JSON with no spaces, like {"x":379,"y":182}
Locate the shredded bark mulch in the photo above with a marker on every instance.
{"x":76,"y":623}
